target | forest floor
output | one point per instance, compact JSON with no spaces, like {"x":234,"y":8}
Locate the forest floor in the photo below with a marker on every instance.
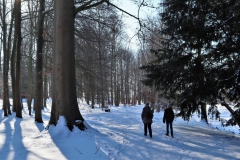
{"x":115,"y":135}
{"x":120,"y":136}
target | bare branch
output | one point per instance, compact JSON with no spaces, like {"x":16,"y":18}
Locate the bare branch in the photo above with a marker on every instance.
{"x":88,"y":5}
{"x":126,"y":12}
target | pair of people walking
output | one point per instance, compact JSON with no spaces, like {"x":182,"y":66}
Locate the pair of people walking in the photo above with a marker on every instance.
{"x":147,"y":116}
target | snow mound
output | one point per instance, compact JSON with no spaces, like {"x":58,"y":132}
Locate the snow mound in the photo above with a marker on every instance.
{"x":60,"y":130}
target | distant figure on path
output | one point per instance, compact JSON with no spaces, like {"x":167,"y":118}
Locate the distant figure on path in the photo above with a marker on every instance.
{"x":147,"y":116}
{"x":168,"y":117}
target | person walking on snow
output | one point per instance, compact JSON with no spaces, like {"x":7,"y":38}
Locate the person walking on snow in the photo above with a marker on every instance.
{"x":168,"y":117}
{"x":147,"y":116}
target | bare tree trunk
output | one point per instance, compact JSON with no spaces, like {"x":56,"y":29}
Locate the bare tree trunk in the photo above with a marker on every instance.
{"x":127,"y":92}
{"x":64,"y":102}
{"x":30,"y":66}
{"x":100,"y":63}
{"x":38,"y":98}
{"x":135,"y":82}
{"x":13,"y":64}
{"x":116,"y":101}
{"x":204,"y":111}
{"x":0,"y":67}
{"x":139,"y":91}
{"x":112,"y":71}
{"x":121,"y":77}
{"x":8,"y":57}
{"x":13,"y":71}
{"x":45,"y":92}
{"x":47,"y":79}
{"x":18,"y":60}
{"x":87,"y":96}
{"x":93,"y":99}
{"x":5,"y":62}
{"x":6,"y":51}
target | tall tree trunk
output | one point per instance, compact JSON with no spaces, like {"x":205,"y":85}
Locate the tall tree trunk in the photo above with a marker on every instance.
{"x":203,"y":111}
{"x":8,"y":57}
{"x":18,"y":60}
{"x":6,"y":54}
{"x":87,"y":96}
{"x":1,"y":66}
{"x":93,"y":97}
{"x":64,"y":102}
{"x":30,"y":66}
{"x":38,"y":99}
{"x":46,"y":79}
{"x":127,"y":93}
{"x":13,"y":64}
{"x":139,"y":93}
{"x":5,"y":61}
{"x":122,"y":81}
{"x":100,"y":64}
{"x":116,"y":100}
{"x":13,"y":71}
{"x":45,"y":92}
{"x":112,"y":71}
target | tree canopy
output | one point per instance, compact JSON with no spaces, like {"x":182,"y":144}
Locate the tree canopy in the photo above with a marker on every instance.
{"x":198,"y":61}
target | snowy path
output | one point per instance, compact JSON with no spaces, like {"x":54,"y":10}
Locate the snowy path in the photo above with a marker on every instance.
{"x":115,"y":135}
{"x":122,"y":138}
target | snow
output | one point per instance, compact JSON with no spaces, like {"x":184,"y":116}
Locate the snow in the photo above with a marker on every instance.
{"x":115,"y":135}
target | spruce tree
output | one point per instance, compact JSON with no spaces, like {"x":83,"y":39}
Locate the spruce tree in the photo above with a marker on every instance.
{"x":200,"y":56}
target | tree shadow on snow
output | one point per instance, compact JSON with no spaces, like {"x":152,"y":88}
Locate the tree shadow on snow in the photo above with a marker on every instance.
{"x":207,"y":143}
{"x":40,"y":126}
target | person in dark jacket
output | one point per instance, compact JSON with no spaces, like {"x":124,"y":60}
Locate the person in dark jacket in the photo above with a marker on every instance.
{"x":147,"y":116}
{"x":168,"y":117}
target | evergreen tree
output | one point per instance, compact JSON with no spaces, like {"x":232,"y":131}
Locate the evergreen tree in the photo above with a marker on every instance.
{"x":200,"y":55}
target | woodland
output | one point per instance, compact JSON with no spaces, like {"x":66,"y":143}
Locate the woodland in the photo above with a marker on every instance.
{"x":188,"y":54}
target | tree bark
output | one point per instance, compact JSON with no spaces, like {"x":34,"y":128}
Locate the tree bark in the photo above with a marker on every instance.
{"x":122,"y":81}
{"x":30,"y":62}
{"x":6,"y":50}
{"x":1,"y":66}
{"x":5,"y":62}
{"x":116,"y":99}
{"x":13,"y":71}
{"x":64,"y":102}
{"x":204,"y":111}
{"x":18,"y":60}
{"x":38,"y":100}
{"x":45,"y":89}
{"x":8,"y":57}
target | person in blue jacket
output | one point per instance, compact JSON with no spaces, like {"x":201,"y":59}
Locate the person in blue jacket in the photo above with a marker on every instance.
{"x":168,"y":117}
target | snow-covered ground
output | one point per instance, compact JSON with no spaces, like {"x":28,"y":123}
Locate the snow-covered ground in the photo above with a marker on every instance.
{"x":115,"y":135}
